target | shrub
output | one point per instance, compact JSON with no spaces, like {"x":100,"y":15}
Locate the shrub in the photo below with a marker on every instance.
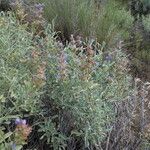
{"x":68,"y":97}
{"x":18,"y":95}
{"x":15,"y":77}
{"x":84,"y":93}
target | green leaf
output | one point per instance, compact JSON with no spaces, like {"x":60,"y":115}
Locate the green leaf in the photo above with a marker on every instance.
{"x":76,"y":133}
{"x":8,"y":117}
{"x":7,"y":135}
{"x":2,"y":98}
{"x":19,"y":147}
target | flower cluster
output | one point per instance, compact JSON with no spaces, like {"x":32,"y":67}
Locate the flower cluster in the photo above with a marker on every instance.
{"x":22,"y":131}
{"x":20,"y":121}
{"x":32,"y":15}
{"x":62,"y":65}
{"x":39,"y":67}
{"x":17,"y":5}
{"x":86,"y":53}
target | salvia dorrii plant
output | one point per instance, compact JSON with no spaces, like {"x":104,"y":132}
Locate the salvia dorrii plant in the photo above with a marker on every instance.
{"x":66,"y":91}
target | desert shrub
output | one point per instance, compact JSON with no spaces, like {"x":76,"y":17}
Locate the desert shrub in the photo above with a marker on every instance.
{"x":68,"y":97}
{"x":15,"y":76}
{"x":80,"y":91}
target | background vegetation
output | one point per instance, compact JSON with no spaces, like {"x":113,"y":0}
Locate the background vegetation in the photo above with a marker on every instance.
{"x":82,"y":17}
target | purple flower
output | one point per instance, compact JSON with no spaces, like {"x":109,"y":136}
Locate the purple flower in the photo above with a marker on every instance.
{"x":20,"y":121}
{"x":24,"y":122}
{"x":39,"y":7}
{"x":17,"y":121}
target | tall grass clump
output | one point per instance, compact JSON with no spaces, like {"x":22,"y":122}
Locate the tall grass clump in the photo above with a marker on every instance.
{"x":106,"y":21}
{"x":60,"y":98}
